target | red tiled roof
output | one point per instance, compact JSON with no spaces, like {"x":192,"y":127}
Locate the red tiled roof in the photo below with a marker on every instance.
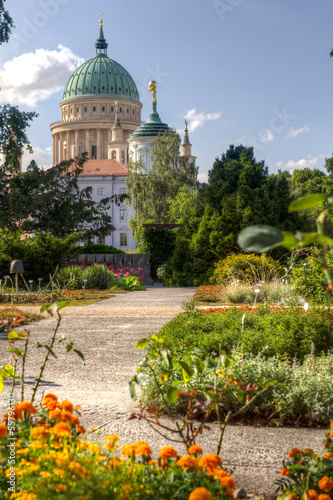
{"x":103,"y":167}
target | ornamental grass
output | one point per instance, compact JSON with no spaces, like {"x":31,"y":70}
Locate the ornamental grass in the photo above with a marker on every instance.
{"x":54,"y":459}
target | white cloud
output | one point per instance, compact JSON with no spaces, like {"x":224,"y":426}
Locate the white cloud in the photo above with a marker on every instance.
{"x":203,"y":178}
{"x":196,"y":119}
{"x":35,"y":76}
{"x":240,"y":140}
{"x":308,"y":162}
{"x":267,"y":136}
{"x":294,"y":132}
{"x":43,"y":157}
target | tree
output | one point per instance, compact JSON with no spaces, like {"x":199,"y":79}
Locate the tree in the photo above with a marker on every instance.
{"x":51,"y":200}
{"x":6,"y":23}
{"x":148,"y":192}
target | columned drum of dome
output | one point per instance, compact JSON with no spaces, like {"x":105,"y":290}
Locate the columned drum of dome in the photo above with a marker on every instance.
{"x":88,"y":107}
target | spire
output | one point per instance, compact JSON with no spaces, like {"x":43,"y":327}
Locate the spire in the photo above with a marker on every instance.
{"x":154,"y":117}
{"x":186,"y":138}
{"x":101,"y":44}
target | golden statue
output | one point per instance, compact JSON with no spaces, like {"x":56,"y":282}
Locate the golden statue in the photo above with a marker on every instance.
{"x":185,"y":124}
{"x":101,"y":20}
{"x":152,"y":88}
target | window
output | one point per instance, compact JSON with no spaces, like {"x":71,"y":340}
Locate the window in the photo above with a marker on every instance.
{"x":77,"y":110}
{"x":94,"y":108}
{"x":71,"y":111}
{"x":101,"y":191}
{"x":120,"y":110}
{"x":94,"y":152}
{"x":112,"y":109}
{"x":123,"y":190}
{"x":123,"y":213}
{"x":85,"y":110}
{"x":123,"y":239}
{"x":143,"y":160}
{"x":127,"y":110}
{"x":133,"y":111}
{"x":103,"y":108}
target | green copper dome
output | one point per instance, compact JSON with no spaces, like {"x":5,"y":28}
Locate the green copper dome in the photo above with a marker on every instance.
{"x":152,"y":127}
{"x":101,"y":77}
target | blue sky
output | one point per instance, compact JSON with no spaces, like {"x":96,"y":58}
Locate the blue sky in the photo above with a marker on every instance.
{"x":256,"y":72}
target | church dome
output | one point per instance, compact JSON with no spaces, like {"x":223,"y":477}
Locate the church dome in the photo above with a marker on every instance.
{"x":101,"y":77}
{"x":152,"y":127}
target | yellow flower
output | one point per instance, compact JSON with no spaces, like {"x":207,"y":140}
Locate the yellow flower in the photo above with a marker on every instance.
{"x":187,"y":462}
{"x":200,"y":494}
{"x":327,"y":455}
{"x":45,"y":474}
{"x":164,"y":378}
{"x":128,"y":449}
{"x":112,"y":438}
{"x":40,"y":433}
{"x":59,"y":472}
{"x":168,"y":452}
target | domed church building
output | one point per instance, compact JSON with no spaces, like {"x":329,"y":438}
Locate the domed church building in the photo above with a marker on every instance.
{"x":101,"y":115}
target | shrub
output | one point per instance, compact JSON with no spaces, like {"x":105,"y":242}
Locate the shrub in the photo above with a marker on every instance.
{"x":96,"y":276}
{"x":238,"y":294}
{"x":99,"y":249}
{"x":208,"y":293}
{"x":288,"y":332}
{"x":309,"y":400}
{"x":247,"y":268}
{"x":159,"y":243}
{"x":40,"y":254}
{"x":309,"y":279}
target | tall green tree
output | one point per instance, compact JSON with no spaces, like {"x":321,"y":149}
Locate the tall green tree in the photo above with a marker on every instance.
{"x":51,"y":200}
{"x":6,"y":23}
{"x":148,"y":192}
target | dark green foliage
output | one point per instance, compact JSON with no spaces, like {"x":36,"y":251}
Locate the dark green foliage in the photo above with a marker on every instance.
{"x":310,"y":281}
{"x":159,"y":243}
{"x":97,"y":276}
{"x":290,"y":332}
{"x":6,"y":23}
{"x":99,"y":249}
{"x":40,"y":254}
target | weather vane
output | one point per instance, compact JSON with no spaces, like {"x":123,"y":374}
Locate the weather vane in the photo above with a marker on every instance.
{"x":101,"y":20}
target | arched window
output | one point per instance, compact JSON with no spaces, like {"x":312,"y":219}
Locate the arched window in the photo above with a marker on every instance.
{"x":122,"y":157}
{"x":113,"y":155}
{"x":123,"y":213}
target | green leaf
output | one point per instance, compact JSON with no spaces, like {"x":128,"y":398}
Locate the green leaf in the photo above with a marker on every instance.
{"x":44,"y":307}
{"x":79,"y":353}
{"x":69,"y":346}
{"x":167,"y":358}
{"x":172,"y":394}
{"x":198,"y":365}
{"x":132,"y":390}
{"x":260,"y":238}
{"x":187,"y":371}
{"x":272,"y":382}
{"x":224,"y":361}
{"x":289,"y":241}
{"x":142,"y":343}
{"x":313,"y":200}
{"x":2,"y":385}
{"x":157,"y":339}
{"x":62,"y":304}
{"x":18,"y":352}
{"x":142,"y":379}
{"x":50,"y":350}
{"x":13,"y":335}
{"x":176,"y":382}
{"x":8,"y":371}
{"x":144,"y":362}
{"x":283,"y":386}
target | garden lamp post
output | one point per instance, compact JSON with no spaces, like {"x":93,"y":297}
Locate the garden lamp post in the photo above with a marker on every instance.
{"x":16,"y":268}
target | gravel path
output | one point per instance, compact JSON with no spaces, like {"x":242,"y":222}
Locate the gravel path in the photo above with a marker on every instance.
{"x":107,"y":333}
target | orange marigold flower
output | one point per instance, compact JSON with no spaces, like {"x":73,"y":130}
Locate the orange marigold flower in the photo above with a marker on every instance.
{"x":311,"y":495}
{"x":325,"y":484}
{"x":324,"y":496}
{"x":142,"y":449}
{"x":331,"y":426}
{"x":327,"y":455}
{"x":27,"y":407}
{"x":284,"y":472}
{"x":211,"y":462}
{"x":168,"y":452}
{"x":218,"y":473}
{"x":66,"y":416}
{"x":200,"y":494}
{"x":67,"y":405}
{"x":331,"y":434}
{"x":310,"y":450}
{"x":80,"y":429}
{"x":60,"y":487}
{"x":40,"y":433}
{"x":152,"y":462}
{"x":195,"y":450}
{"x":3,"y":430}
{"x":187,"y":462}
{"x":294,"y":451}
{"x":228,"y":482}
{"x":75,"y":420}
{"x":128,"y":449}
{"x":56,"y":413}
{"x":62,"y":429}
{"x":114,"y":437}
{"x":293,"y":497}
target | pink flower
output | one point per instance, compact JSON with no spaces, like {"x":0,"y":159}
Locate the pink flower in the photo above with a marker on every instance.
{"x":142,"y":277}
{"x":127,"y":275}
{"x":117,"y":276}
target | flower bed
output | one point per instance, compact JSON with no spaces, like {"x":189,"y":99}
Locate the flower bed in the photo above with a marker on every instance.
{"x":53,"y":461}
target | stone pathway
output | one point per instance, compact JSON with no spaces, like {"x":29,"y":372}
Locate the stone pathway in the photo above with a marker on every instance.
{"x":107,"y":333}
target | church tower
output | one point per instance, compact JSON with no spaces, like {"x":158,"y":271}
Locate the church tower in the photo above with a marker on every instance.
{"x":186,"y":155}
